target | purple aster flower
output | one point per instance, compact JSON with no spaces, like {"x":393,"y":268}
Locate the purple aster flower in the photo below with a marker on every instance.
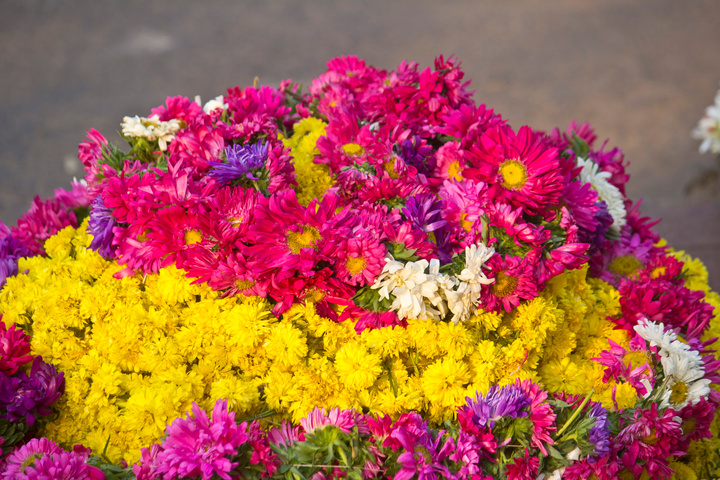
{"x":241,"y":161}
{"x":508,"y":401}
{"x":25,"y":397}
{"x":416,"y":154}
{"x":424,"y":210}
{"x":100,"y":226}
{"x":600,"y":432}
{"x":422,"y":455}
{"x":11,"y":250}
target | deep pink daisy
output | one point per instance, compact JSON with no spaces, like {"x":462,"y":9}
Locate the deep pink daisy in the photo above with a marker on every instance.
{"x":518,"y":167}
{"x":515,"y":281}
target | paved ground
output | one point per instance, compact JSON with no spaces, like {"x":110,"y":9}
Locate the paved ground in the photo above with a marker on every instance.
{"x":641,"y":72}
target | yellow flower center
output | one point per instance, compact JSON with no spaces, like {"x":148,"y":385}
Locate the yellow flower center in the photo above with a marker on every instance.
{"x":625,"y":265}
{"x":678,"y":393}
{"x":389,"y":167}
{"x":454,"y":171}
{"x":244,"y":284}
{"x":30,"y":461}
{"x":314,"y":296}
{"x":465,"y":223}
{"x":235,"y":220}
{"x":658,"y":272}
{"x":431,"y":238}
{"x":192,"y":237}
{"x":514,"y":174}
{"x":353,"y":149}
{"x":688,"y":426}
{"x":306,"y":238}
{"x":355,"y":265}
{"x":504,"y":285}
{"x":651,"y":439}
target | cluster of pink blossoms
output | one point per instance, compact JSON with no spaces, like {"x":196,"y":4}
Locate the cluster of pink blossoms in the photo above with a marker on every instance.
{"x":420,"y":172}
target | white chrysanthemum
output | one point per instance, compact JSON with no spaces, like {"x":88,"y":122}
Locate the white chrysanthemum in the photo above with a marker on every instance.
{"x":472,"y":274}
{"x":410,"y":286}
{"x":607,"y":192}
{"x":685,"y":380}
{"x":667,"y":341}
{"x":151,"y":129}
{"x":214,"y":104}
{"x":708,"y":128}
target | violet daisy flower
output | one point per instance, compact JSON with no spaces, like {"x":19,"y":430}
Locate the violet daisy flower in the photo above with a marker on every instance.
{"x":100,"y":226}
{"x":507,"y":401}
{"x":599,"y":434}
{"x":242,"y":161}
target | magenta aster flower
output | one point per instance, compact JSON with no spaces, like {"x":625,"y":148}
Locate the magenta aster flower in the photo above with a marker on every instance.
{"x":515,"y":280}
{"x":200,"y":447}
{"x":541,"y":415}
{"x":523,"y":468}
{"x":25,"y":456}
{"x":518,"y":167}
{"x":14,"y":348}
{"x":63,"y":466}
{"x":146,"y":468}
{"x":343,"y":419}
{"x":286,"y":434}
{"x":178,"y":107}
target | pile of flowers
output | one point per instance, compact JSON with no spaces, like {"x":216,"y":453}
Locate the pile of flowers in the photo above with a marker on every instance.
{"x":376,"y":278}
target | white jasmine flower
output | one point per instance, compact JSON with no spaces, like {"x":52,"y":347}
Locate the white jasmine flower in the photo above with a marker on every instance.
{"x":151,"y":129}
{"x":472,"y":275}
{"x":708,"y":128}
{"x":607,"y":192}
{"x":410,"y":286}
{"x":685,"y":381}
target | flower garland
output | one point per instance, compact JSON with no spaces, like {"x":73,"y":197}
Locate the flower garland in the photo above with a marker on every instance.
{"x":418,"y":287}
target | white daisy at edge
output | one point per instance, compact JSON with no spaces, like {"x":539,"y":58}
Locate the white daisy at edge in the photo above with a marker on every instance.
{"x":410,"y":286}
{"x":214,"y":104}
{"x":607,"y":192}
{"x":708,"y":128}
{"x":667,"y":340}
{"x":151,"y":128}
{"x":685,"y":381}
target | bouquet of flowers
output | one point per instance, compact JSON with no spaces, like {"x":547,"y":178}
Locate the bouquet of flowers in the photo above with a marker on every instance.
{"x":376,"y":278}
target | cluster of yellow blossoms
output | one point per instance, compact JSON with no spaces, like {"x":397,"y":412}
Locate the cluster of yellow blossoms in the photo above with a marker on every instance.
{"x":137,"y":352}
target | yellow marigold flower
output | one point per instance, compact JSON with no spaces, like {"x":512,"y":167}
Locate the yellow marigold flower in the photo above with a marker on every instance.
{"x":681,"y":471}
{"x":559,"y":344}
{"x":286,"y":344}
{"x":173,"y":287}
{"x":241,"y":392}
{"x":313,"y":179}
{"x":424,"y":336}
{"x":534,"y":320}
{"x":357,"y":368}
{"x":444,"y":384}
{"x":455,"y":340}
{"x":563,"y":375}
{"x":386,"y":342}
{"x":620,"y":393}
{"x":486,"y":321}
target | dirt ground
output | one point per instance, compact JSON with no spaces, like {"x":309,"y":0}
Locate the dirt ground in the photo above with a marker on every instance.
{"x":640,"y":72}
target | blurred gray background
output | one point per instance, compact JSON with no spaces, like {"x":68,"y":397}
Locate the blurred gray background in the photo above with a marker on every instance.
{"x":641,"y":72}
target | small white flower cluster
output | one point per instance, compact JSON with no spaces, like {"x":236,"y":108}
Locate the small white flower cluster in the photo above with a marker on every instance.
{"x":214,"y":104}
{"x":607,"y":192}
{"x":151,"y":129}
{"x":708,"y":128}
{"x":420,"y":291}
{"x":682,"y":366}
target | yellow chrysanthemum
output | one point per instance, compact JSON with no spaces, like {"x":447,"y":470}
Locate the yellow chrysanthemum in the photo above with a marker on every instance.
{"x":313,"y":179}
{"x":357,"y":368}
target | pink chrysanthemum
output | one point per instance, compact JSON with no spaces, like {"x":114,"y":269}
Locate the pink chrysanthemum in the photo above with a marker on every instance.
{"x":178,"y":107}
{"x":342,"y":419}
{"x":515,"y":280}
{"x":518,"y":167}
{"x":63,"y":466}
{"x":541,"y":415}
{"x":523,"y":468}
{"x":25,"y":456}
{"x":14,"y":348}
{"x":200,"y":447}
